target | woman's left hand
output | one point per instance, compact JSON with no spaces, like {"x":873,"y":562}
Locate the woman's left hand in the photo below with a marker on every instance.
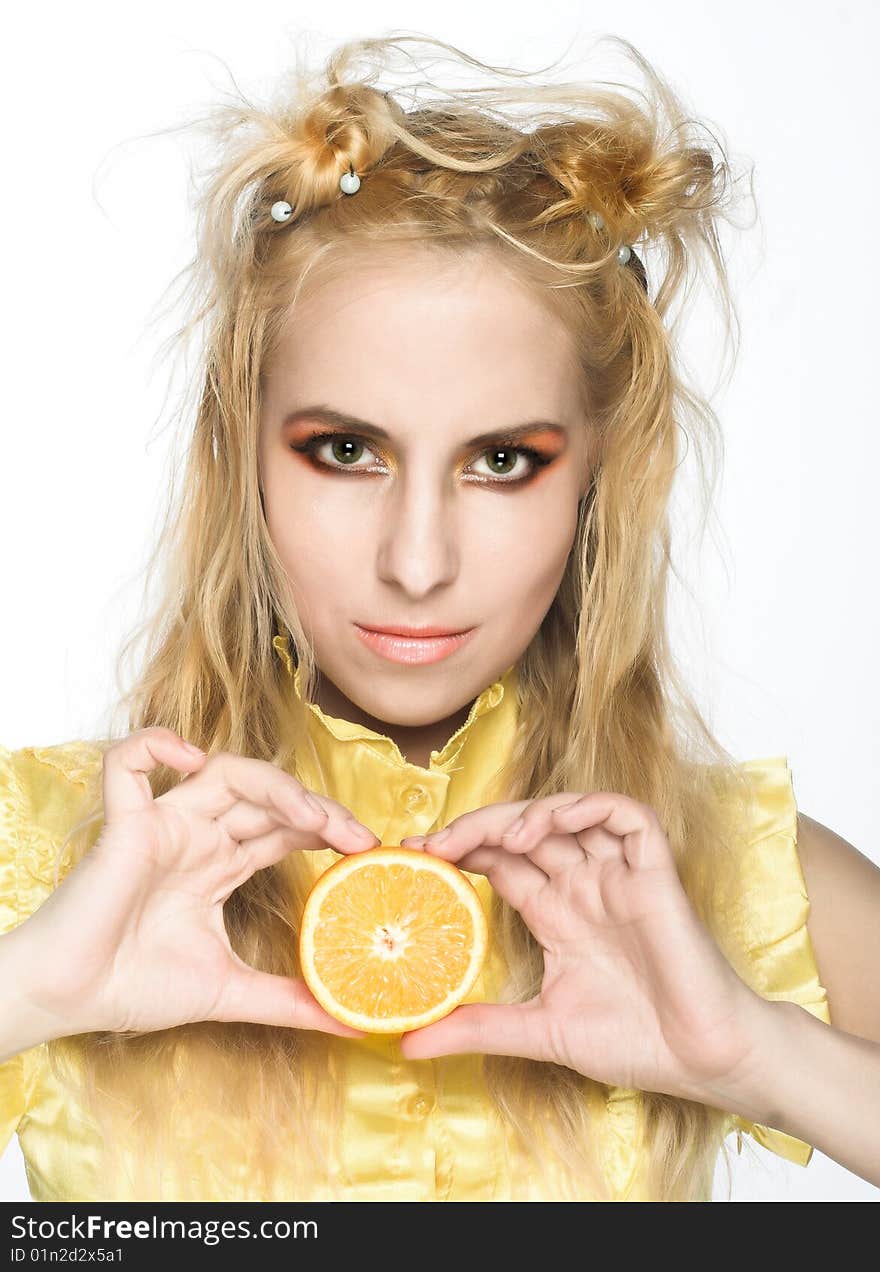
{"x":636,"y":993}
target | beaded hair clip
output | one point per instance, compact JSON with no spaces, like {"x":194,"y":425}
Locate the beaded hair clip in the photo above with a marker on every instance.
{"x":350,"y":183}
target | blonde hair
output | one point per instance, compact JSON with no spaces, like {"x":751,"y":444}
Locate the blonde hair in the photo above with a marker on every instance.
{"x":551,"y":179}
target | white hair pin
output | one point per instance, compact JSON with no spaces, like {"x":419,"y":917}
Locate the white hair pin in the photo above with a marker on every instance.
{"x":350,"y":182}
{"x":624,"y":252}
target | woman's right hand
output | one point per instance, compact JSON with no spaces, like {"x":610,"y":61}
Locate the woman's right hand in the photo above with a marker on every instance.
{"x":133,"y":937}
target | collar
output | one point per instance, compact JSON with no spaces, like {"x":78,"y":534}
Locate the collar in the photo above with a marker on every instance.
{"x":347,"y":731}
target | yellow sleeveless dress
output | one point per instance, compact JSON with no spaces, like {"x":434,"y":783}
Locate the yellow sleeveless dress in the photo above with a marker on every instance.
{"x":413,"y":1129}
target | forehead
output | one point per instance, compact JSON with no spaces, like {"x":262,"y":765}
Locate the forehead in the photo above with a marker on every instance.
{"x":421,"y":327}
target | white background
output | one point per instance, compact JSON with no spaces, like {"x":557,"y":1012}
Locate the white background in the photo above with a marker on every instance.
{"x":95,"y":224}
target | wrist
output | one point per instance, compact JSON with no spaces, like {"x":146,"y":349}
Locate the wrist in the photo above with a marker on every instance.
{"x":756,"y":1090}
{"x":24,"y":1022}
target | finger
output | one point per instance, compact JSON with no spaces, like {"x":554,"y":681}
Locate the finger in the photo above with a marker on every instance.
{"x":482,"y":826}
{"x":257,"y":854}
{"x":515,"y":878}
{"x":227,"y":779}
{"x":644,"y":841}
{"x":264,"y":999}
{"x":537,"y":826}
{"x":126,"y":788}
{"x":599,"y":845}
{"x":338,"y":827}
{"x":245,"y":820}
{"x":558,"y":854}
{"x":498,"y":1029}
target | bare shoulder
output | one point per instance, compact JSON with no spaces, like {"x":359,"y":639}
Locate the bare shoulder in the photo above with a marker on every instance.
{"x":843,"y":886}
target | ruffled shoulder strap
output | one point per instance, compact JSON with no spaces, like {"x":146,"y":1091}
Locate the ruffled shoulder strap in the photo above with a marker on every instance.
{"x":41,"y":792}
{"x":769,"y":920}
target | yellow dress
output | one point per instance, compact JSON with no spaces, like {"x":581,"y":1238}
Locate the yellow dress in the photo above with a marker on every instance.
{"x":413,"y":1129}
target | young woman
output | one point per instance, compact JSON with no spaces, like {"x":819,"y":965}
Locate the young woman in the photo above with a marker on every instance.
{"x":416,"y":583}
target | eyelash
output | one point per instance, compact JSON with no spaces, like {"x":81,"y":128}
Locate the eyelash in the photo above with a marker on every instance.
{"x":311,"y":444}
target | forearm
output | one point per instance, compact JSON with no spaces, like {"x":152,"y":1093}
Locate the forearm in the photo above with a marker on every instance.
{"x":814,"y":1082}
{"x":22,"y":1023}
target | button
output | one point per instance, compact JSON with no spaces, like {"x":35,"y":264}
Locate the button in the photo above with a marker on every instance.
{"x":421,"y":1104}
{"x":414,"y":796}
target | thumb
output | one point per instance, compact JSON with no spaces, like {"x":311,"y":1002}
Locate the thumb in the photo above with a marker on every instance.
{"x":264,"y":999}
{"x":497,"y":1029}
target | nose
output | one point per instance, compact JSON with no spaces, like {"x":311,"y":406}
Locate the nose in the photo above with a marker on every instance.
{"x":418,"y":547}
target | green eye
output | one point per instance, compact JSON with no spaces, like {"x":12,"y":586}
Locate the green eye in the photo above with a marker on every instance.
{"x":346,"y":452}
{"x":346,"y":447}
{"x":509,"y":458}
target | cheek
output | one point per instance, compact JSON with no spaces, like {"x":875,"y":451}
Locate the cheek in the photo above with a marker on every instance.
{"x":316,"y":539}
{"x":521,"y":552}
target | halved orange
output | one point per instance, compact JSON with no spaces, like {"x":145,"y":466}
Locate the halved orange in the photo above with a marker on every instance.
{"x":392,"y":938}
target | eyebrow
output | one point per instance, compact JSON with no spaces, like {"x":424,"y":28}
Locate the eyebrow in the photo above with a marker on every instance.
{"x":342,"y":420}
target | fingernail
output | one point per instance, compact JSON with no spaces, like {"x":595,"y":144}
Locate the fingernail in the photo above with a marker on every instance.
{"x":512,"y":829}
{"x":196,"y":750}
{"x":313,"y":803}
{"x":439,"y":837}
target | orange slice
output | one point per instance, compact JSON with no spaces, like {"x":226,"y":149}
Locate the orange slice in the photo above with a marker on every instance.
{"x":391,"y":939}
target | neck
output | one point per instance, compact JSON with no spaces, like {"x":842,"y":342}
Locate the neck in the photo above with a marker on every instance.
{"x":415,"y":742}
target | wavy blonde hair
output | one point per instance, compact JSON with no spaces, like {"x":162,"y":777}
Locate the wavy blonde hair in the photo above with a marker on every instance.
{"x":551,"y":179}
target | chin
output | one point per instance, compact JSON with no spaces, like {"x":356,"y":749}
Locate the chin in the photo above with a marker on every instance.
{"x":410,"y":707}
{"x":412,"y":714}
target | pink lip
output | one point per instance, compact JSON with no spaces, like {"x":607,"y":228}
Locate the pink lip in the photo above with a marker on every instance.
{"x":413,"y":649}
